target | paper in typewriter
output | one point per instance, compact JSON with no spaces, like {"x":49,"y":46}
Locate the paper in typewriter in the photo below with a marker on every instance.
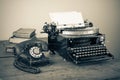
{"x":70,"y":19}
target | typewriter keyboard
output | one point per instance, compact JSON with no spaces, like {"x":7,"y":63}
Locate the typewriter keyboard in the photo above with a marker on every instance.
{"x":87,"y":52}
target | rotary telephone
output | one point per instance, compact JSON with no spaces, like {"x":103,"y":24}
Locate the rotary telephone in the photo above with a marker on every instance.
{"x":30,"y":54}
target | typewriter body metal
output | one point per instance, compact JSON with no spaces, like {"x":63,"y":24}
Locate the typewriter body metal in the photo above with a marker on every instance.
{"x":79,"y":41}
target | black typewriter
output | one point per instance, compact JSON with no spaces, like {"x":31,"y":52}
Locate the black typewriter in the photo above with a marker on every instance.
{"x":77,"y":43}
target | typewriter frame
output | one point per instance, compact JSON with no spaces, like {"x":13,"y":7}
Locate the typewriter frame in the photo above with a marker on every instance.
{"x":65,"y":44}
{"x":61,"y":43}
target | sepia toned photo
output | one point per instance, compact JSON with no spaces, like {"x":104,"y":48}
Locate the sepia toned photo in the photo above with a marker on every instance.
{"x":59,"y":40}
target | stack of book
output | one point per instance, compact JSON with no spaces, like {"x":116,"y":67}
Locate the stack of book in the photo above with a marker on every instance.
{"x":22,"y":34}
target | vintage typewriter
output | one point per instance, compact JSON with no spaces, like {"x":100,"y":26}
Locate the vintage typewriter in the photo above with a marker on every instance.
{"x":74,"y":39}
